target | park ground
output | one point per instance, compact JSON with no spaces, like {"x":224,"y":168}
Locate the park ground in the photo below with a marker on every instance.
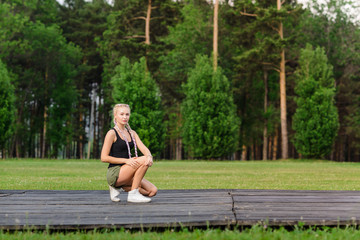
{"x":45,"y":174}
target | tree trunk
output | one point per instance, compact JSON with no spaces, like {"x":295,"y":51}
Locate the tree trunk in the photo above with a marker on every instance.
{"x":348,"y":157}
{"x":341,"y":152}
{"x":243,"y":153}
{"x":215,"y":34}
{"x":178,"y":145}
{"x":275,"y":144}
{"x":147,"y":24}
{"x":265,"y":134}
{"x":147,"y":32}
{"x":178,"y":149}
{"x":44,"y":134}
{"x":68,"y":144}
{"x":43,"y":146}
{"x":270,"y":147}
{"x":95,"y":138}
{"x":91,"y":125}
{"x":81,"y":137}
{"x":172,"y":148}
{"x":101,"y":120}
{"x":284,"y":133}
{"x":17,"y":146}
{"x":252,"y":152}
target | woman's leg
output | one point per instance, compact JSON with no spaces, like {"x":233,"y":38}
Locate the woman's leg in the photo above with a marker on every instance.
{"x":147,"y":188}
{"x":131,"y":176}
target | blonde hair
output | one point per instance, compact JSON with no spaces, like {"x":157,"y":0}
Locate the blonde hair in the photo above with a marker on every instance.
{"x":120,"y":105}
{"x":115,"y":109}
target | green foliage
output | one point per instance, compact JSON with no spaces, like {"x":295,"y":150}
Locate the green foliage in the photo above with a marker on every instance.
{"x":82,"y":22}
{"x":257,"y":45}
{"x":7,"y":108}
{"x":191,"y":36}
{"x":53,"y":63}
{"x":11,"y":26}
{"x":332,"y":26}
{"x":316,"y":119}
{"x":210,"y":123}
{"x":133,"y":85}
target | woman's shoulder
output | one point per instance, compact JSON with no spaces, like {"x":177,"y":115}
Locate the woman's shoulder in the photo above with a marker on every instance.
{"x":111,"y":132}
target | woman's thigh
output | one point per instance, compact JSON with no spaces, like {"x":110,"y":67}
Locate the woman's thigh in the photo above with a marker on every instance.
{"x":126,"y":176}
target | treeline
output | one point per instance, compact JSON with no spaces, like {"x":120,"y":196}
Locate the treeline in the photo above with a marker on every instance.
{"x":234,"y":79}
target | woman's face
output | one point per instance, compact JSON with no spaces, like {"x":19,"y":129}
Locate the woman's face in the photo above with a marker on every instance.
{"x":122,"y":115}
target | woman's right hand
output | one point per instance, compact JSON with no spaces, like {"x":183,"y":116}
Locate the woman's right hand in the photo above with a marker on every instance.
{"x":134,"y":163}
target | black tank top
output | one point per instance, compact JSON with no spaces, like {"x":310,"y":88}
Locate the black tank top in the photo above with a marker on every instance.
{"x":119,"y":149}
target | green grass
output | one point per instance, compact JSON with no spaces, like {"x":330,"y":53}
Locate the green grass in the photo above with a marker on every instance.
{"x":90,"y":175}
{"x":254,"y":233}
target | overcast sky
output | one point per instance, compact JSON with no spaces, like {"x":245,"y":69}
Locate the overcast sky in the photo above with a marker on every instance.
{"x":352,"y":12}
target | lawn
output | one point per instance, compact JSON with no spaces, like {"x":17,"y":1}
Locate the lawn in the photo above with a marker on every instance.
{"x":285,"y":174}
{"x":90,"y":174}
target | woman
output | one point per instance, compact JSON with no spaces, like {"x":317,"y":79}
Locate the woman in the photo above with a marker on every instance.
{"x":126,"y":172}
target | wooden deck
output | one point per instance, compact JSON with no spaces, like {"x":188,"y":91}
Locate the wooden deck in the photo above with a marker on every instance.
{"x":58,"y":210}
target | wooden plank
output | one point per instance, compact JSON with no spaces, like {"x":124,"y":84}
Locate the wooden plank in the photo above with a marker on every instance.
{"x":285,"y":207}
{"x":286,"y":199}
{"x":214,"y":207}
{"x":93,"y":209}
{"x":292,"y":192}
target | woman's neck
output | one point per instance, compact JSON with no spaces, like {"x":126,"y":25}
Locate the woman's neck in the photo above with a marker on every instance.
{"x":121,"y":127}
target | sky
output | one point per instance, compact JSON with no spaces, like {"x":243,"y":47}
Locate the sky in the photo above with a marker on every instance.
{"x":351,"y":11}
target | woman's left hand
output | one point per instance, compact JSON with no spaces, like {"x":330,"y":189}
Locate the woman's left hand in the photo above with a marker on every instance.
{"x":150,"y":160}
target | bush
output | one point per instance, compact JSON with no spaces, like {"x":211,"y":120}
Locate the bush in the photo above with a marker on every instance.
{"x":7,"y":108}
{"x":316,"y":119}
{"x":211,"y":125}
{"x":133,"y":85}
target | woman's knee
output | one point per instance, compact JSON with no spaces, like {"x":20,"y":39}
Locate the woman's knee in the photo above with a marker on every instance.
{"x":142,"y":161}
{"x":153,"y":191}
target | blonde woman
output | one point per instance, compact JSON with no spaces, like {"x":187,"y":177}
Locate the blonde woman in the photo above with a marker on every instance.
{"x":126,"y":172}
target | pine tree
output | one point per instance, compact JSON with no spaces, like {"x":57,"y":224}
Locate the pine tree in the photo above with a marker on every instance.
{"x":316,"y":119}
{"x":133,"y":85}
{"x":7,"y":108}
{"x":265,"y":25}
{"x":331,"y":26}
{"x":190,"y":36}
{"x":52,"y":60}
{"x":82,"y":23}
{"x":210,"y":123}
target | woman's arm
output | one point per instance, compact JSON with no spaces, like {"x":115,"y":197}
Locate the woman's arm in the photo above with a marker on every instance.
{"x":143,"y":148}
{"x":105,"y":157}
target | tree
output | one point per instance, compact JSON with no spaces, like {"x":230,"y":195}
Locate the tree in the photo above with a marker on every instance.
{"x":215,"y":34}
{"x":7,"y":108}
{"x":52,"y":62}
{"x":11,"y":26}
{"x":271,"y":18}
{"x":316,"y":119}
{"x":210,"y":122}
{"x":82,"y":23}
{"x":190,"y":36}
{"x":133,"y":85}
{"x":331,"y":26}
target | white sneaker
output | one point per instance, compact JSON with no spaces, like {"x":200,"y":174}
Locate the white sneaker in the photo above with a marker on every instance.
{"x":114,"y":194}
{"x":136,"y":197}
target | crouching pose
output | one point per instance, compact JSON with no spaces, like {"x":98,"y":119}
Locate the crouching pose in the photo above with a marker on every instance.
{"x":126,"y":173}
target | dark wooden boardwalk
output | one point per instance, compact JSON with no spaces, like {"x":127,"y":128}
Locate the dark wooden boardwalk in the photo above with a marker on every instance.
{"x":20,"y":209}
